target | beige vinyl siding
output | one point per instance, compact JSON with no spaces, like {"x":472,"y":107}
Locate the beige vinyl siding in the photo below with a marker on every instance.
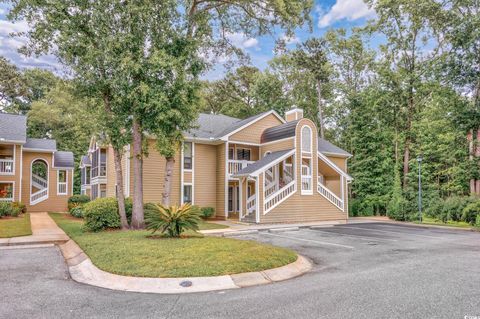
{"x":205,"y":158}
{"x":278,"y":146}
{"x":300,"y":207}
{"x":111,"y":175}
{"x":333,"y":184}
{"x":253,"y":132}
{"x":187,"y":176}
{"x":16,"y":177}
{"x":154,"y":176}
{"x":220,"y":173}
{"x":54,"y":203}
{"x":341,"y":162}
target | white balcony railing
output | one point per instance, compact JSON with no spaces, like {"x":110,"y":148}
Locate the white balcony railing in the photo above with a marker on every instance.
{"x":6,"y":165}
{"x":62,"y":188}
{"x":235,"y":166}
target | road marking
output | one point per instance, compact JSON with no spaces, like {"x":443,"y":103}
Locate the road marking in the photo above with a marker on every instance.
{"x":353,"y":236}
{"x":389,"y":231}
{"x":311,"y":241}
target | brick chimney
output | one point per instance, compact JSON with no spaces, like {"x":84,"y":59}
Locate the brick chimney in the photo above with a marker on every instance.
{"x":294,"y":114}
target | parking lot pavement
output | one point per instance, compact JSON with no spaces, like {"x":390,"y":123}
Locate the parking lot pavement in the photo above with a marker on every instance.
{"x":362,"y":270}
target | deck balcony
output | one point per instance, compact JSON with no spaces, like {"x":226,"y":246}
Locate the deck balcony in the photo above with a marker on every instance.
{"x":7,"y":159}
{"x":235,"y":166}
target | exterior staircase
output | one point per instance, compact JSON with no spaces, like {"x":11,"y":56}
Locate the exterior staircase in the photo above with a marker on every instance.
{"x":41,"y":194}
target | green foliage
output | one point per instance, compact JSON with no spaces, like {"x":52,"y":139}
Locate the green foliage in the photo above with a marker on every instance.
{"x":397,"y":206}
{"x":77,"y":211}
{"x":6,"y":209}
{"x":172,"y":220}
{"x":207,"y":212}
{"x":471,"y":213}
{"x":77,"y":200}
{"x":20,"y":207}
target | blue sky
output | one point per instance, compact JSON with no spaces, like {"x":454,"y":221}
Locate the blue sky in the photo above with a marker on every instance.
{"x":327,"y":14}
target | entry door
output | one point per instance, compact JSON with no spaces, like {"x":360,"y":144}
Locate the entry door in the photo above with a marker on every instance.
{"x":233,"y":199}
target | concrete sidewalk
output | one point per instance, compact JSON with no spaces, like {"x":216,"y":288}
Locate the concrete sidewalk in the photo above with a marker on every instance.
{"x":44,"y":231}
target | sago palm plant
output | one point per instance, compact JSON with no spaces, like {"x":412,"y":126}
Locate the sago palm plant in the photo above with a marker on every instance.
{"x":172,"y":220}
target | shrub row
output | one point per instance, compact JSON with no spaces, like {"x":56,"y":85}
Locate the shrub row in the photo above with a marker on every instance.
{"x":102,"y":213}
{"x":456,"y":208}
{"x":12,"y":209}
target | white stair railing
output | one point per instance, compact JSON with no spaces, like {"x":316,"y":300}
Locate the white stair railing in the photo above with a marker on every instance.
{"x":251,"y":206}
{"x":278,"y":197}
{"x":39,"y":182}
{"x":270,"y":189}
{"x":39,"y":196}
{"x":330,"y":196}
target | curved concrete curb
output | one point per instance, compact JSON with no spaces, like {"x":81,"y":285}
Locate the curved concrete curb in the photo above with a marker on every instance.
{"x":84,"y":271}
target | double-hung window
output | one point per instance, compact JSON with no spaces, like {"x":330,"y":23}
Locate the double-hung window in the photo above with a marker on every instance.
{"x":187,"y":155}
{"x":62,"y":182}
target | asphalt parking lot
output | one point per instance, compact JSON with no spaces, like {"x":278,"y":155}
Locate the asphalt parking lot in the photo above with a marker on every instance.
{"x":361,"y":270}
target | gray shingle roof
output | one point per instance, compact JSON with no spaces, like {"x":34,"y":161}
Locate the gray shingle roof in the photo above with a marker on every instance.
{"x":85,"y":160}
{"x":280,"y":131}
{"x":40,"y":144}
{"x":211,"y":125}
{"x":241,"y":123}
{"x":13,"y":128}
{"x":264,"y":162}
{"x":325,"y":146}
{"x":63,"y":159}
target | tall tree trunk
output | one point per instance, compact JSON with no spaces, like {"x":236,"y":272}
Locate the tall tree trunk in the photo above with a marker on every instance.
{"x":320,"y":109}
{"x":408,"y":138}
{"x":137,"y":211}
{"x":167,"y":186}
{"x":477,"y":155}
{"x":118,"y":170}
{"x":470,"y":157}
{"x":120,"y":194}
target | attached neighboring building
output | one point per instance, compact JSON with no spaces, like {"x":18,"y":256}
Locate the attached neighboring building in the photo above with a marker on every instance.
{"x":33,"y":171}
{"x":263,"y":169}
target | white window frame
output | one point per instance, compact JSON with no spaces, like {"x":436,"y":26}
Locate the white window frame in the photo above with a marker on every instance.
{"x":12,"y":199}
{"x":191,"y":157}
{"x":58,"y":182}
{"x":308,"y":155}
{"x":183,"y":193}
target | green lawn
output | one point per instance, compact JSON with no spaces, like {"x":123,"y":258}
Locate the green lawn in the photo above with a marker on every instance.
{"x":132,"y":253}
{"x":15,"y":226}
{"x":207,"y":225}
{"x":433,"y":221}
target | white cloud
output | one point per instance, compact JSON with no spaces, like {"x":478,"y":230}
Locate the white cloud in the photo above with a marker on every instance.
{"x":290,"y":39}
{"x":242,"y":41}
{"x":9,"y":48}
{"x":344,"y":9}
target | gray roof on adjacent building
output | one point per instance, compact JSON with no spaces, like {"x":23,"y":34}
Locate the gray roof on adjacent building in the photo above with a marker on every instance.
{"x":13,"y":128}
{"x":85,"y":160}
{"x":264,"y":162}
{"x":279,"y":132}
{"x":63,"y":159}
{"x":40,"y":144}
{"x":325,"y":146}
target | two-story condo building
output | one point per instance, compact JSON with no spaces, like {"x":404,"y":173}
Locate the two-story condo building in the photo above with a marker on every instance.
{"x":33,"y":171}
{"x":262,"y":169}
